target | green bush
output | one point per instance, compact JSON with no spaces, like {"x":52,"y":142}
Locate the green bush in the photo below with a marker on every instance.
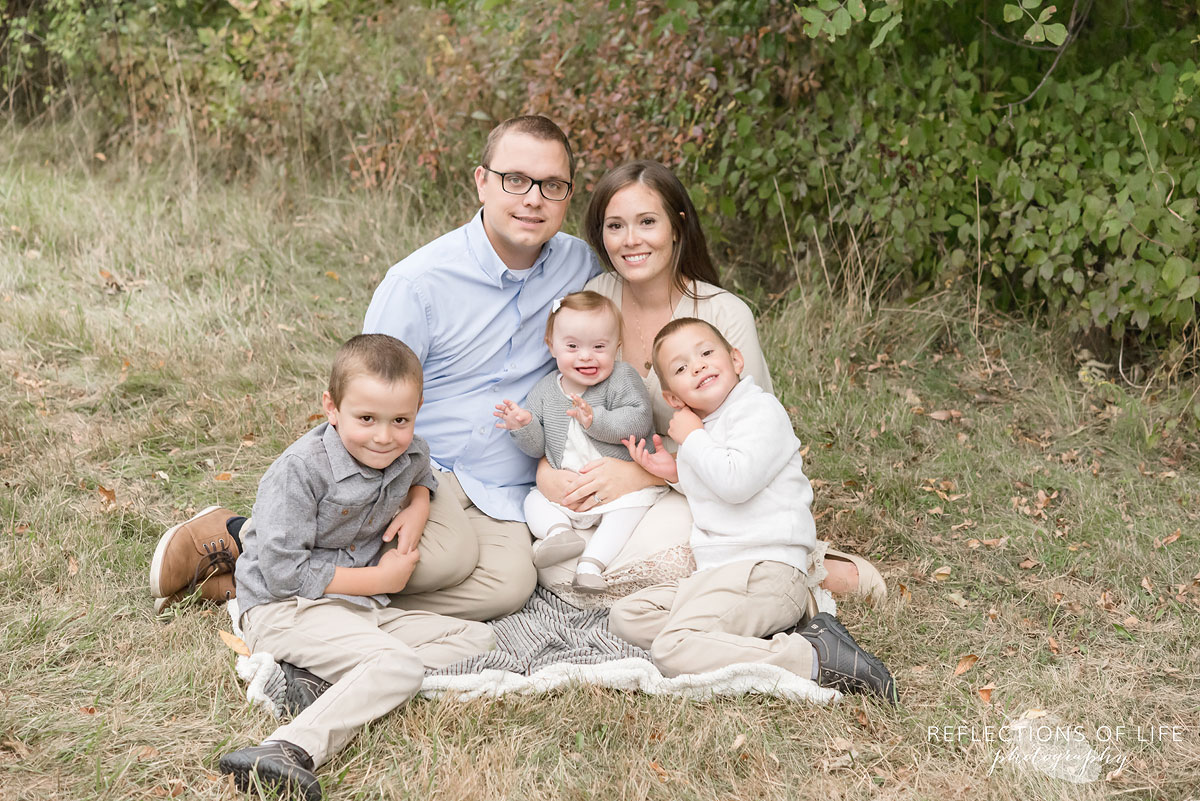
{"x":920,"y":146}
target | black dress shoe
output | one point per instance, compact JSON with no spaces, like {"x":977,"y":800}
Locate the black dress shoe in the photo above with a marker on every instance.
{"x":303,"y":687}
{"x":275,"y":763}
{"x":842,"y":663}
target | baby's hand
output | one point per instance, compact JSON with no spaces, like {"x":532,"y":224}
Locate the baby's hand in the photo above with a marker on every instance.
{"x":660,"y":463}
{"x":683,"y":422}
{"x":397,"y":568}
{"x":581,"y":410}
{"x":512,"y":416}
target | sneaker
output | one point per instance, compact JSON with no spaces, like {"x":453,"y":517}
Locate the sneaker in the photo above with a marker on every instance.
{"x":303,"y":687}
{"x":191,"y":552}
{"x":842,"y":663}
{"x":275,"y":764}
{"x":217,"y":589}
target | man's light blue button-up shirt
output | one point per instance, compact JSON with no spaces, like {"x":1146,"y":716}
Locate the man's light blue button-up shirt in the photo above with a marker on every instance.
{"x":478,"y":329}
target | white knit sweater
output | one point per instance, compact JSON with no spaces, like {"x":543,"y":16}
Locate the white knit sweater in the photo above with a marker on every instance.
{"x":744,"y":481}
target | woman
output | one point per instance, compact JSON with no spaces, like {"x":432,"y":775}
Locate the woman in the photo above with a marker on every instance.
{"x":643,"y":226}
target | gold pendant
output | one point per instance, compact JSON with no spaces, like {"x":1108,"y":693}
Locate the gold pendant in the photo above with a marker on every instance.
{"x":648,"y":365}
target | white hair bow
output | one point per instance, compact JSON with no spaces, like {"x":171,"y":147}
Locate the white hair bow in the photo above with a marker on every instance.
{"x":556,"y":305}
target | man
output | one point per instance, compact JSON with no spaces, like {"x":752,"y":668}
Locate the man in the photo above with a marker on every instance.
{"x":473,"y":306}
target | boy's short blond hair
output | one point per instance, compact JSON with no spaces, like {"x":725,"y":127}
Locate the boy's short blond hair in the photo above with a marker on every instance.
{"x":584,"y":301}
{"x":377,"y":355}
{"x":679,"y":324}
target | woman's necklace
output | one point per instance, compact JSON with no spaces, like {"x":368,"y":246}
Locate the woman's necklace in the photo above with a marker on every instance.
{"x":637,"y":324}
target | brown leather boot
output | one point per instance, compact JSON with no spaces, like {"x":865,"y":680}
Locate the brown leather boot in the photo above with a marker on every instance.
{"x":217,"y":589}
{"x":191,"y":552}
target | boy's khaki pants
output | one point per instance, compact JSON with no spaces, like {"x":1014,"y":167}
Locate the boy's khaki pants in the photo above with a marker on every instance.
{"x":376,"y":659}
{"x":720,"y":617}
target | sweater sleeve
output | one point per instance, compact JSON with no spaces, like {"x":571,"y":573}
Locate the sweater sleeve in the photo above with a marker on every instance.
{"x":756,"y":445}
{"x":626,"y":411}
{"x":531,"y":439}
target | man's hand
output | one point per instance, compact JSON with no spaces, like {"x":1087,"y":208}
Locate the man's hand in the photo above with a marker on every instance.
{"x":581,"y":410}
{"x":409,"y":523}
{"x":395,"y":568}
{"x":660,"y":463}
{"x":683,"y":422}
{"x":512,"y":416}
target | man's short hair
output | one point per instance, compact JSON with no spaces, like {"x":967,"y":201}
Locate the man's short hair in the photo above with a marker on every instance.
{"x":534,"y":125}
{"x":676,"y":325}
{"x":376,"y":355}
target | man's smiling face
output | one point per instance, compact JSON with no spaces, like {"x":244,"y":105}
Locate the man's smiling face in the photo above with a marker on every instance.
{"x":518,"y":225}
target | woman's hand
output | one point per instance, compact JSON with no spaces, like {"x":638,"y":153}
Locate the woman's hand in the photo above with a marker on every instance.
{"x":557,"y":484}
{"x":607,"y":479}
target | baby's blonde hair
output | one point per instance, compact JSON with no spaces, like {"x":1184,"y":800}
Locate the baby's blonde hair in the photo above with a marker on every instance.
{"x":584,"y":301}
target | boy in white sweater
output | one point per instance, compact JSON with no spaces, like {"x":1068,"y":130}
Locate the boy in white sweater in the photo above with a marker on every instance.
{"x":740,"y":467}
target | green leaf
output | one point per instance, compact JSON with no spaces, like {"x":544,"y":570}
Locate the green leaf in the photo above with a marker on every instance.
{"x":1036,"y":32}
{"x":841,"y":21}
{"x":858,"y":9}
{"x":1031,"y":3}
{"x":1011,"y":13}
{"x":1056,"y":34}
{"x":884,"y":29}
{"x":1174,"y":271}
{"x":1189,"y":287}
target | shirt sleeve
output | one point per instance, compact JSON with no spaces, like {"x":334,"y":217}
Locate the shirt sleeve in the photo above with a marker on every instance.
{"x":285,"y":521}
{"x":626,"y":412}
{"x":398,"y":308}
{"x":424,"y":476}
{"x":747,"y":457}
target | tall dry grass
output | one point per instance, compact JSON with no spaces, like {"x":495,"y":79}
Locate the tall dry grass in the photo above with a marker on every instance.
{"x":163,"y":335}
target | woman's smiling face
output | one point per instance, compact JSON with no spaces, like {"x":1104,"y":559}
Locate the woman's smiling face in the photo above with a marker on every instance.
{"x":638,"y":236}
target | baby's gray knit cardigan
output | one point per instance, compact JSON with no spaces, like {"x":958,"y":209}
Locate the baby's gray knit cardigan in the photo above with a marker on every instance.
{"x":620,"y":408}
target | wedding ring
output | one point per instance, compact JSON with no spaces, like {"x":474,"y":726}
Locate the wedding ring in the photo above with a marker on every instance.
{"x":599,"y":499}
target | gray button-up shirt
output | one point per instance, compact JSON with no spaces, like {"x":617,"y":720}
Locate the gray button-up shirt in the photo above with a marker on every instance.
{"x":318,"y":509}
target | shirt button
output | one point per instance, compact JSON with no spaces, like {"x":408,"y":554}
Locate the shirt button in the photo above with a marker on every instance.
{"x":352,"y":547}
{"x":345,"y":511}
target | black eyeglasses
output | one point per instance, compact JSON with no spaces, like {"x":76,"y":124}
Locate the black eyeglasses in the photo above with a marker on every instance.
{"x":514,"y":183}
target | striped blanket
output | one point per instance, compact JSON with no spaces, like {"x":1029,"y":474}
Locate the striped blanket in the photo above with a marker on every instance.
{"x":550,"y":644}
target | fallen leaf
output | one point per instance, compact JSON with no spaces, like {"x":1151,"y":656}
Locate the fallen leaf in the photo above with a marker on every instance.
{"x":663,"y":776}
{"x":234,"y":642}
{"x":1028,"y":563}
{"x":1167,"y":540}
{"x":222,"y":476}
{"x":15,"y":746}
{"x":1033,"y":714}
{"x":905,"y":594}
{"x":88,"y":710}
{"x":72,"y":566}
{"x":146,"y":752}
{"x":312,"y":418}
{"x":942,"y":573}
{"x":965,"y":664}
{"x":1146,"y":585}
{"x":738,"y":742}
{"x":333,"y":275}
{"x":1054,"y":648}
{"x":942,"y":415}
{"x":957,"y":599}
{"x":993,"y":613}
{"x":962,"y":525}
{"x":110,"y":496}
{"x":100,"y":157}
{"x":985,"y":692}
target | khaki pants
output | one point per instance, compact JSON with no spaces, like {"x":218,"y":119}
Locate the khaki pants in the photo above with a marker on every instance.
{"x":376,"y":659}
{"x":719,"y":617}
{"x":471,"y":565}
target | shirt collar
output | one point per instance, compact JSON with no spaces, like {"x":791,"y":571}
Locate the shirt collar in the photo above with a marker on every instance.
{"x":745,"y":386}
{"x":491,"y":263}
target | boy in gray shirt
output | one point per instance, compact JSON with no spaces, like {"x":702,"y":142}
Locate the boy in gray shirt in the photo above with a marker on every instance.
{"x":314,"y":575}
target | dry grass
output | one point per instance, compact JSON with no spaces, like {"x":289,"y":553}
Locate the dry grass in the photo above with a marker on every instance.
{"x":158,"y":330}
